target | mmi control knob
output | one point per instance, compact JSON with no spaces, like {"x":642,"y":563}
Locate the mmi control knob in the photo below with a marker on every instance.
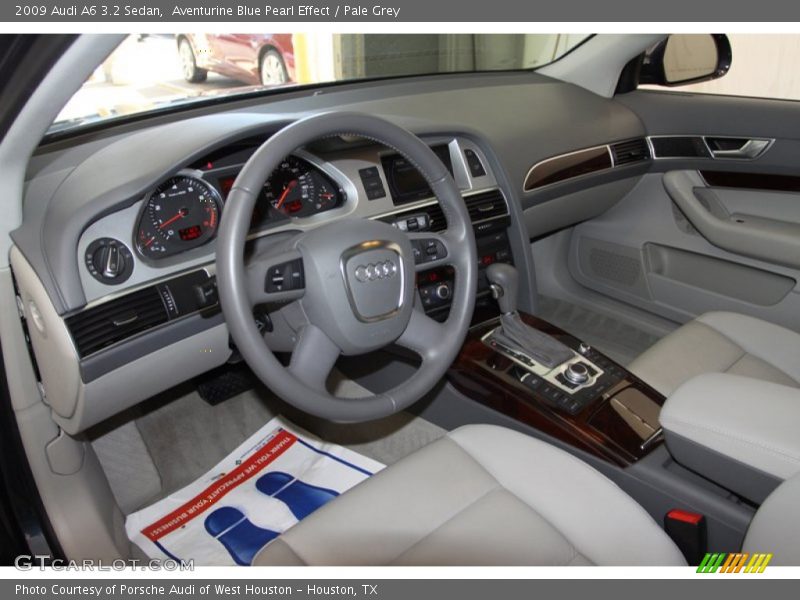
{"x":577,"y":373}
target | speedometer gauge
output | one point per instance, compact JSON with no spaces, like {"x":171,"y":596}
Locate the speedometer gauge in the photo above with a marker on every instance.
{"x":297,"y":189}
{"x":182,"y":213}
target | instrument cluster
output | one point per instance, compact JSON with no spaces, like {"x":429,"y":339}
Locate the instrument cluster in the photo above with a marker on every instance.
{"x":183,"y":212}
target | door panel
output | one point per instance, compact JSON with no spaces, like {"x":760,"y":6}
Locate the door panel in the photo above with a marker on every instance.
{"x":644,"y":251}
{"x":771,"y":235}
{"x":717,"y":228}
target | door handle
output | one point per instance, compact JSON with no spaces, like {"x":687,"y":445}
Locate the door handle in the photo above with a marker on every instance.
{"x":750,"y":149}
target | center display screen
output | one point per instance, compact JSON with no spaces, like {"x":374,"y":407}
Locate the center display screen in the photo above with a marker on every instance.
{"x":406,"y":183}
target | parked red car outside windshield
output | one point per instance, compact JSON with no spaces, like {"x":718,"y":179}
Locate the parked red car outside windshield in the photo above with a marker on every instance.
{"x":257,"y":59}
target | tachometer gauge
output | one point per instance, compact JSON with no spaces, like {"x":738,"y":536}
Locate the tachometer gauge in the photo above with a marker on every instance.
{"x":182,"y":213}
{"x":297,"y":189}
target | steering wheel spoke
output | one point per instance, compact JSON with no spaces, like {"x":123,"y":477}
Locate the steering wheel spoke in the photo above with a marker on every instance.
{"x":423,"y":335}
{"x":276,"y":277}
{"x":314,"y":357}
{"x":431,"y":249}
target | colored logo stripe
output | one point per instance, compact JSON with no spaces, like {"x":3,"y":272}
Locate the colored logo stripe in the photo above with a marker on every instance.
{"x":736,"y":562}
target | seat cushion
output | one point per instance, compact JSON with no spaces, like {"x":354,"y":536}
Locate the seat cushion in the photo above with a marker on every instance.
{"x":775,"y":529}
{"x":722,"y":342}
{"x":482,"y":495}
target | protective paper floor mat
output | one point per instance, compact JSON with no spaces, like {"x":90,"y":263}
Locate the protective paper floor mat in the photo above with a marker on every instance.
{"x":278,"y":476}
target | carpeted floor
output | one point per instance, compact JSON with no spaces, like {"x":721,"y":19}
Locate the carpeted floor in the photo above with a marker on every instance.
{"x":171,"y":440}
{"x":620,"y":341}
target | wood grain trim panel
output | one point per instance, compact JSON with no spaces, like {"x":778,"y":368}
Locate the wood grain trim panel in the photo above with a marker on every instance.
{"x":567,"y":166}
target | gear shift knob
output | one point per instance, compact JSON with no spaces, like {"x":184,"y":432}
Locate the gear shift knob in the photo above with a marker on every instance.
{"x":504,"y":280}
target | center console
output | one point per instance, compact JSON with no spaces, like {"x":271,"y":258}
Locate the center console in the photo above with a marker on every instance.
{"x":713,"y":448}
{"x":588,"y":401}
{"x":490,"y":220}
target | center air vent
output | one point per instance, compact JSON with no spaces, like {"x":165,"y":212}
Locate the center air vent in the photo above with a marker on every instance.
{"x":110,"y":322}
{"x":486,"y":206}
{"x":483,"y":206}
{"x":630,"y":151}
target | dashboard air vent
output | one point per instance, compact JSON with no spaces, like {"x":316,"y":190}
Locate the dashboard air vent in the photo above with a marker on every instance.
{"x":436,"y":215}
{"x":630,"y":151}
{"x":115,"y":320}
{"x":486,"y":206}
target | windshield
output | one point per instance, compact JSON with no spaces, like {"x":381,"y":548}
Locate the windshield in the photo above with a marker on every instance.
{"x":148,"y":72}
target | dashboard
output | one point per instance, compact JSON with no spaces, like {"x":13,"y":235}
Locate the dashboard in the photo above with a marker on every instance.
{"x":117,"y":247}
{"x":172,"y":227}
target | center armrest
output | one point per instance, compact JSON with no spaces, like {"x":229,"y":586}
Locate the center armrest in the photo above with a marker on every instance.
{"x":740,"y":432}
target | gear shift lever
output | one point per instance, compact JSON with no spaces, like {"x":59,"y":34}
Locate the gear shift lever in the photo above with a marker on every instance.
{"x":504,"y":283}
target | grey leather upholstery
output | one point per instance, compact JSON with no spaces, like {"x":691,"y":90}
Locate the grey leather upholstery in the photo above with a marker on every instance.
{"x":750,"y":421}
{"x":776,"y":528}
{"x":483,"y":495}
{"x":722,"y":342}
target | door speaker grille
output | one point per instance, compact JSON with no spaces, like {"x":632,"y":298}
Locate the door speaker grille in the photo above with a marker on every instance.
{"x":618,"y":268}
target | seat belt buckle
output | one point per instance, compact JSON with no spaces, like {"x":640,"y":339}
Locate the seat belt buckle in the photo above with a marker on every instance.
{"x":689,"y":532}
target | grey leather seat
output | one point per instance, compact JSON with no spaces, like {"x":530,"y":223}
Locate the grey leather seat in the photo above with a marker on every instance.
{"x":722,"y":342}
{"x":481,"y":495}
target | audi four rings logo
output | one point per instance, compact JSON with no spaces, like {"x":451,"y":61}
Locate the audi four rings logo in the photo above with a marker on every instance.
{"x":373,"y":271}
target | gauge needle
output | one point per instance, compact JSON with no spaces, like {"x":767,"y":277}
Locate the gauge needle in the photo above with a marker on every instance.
{"x":181,"y":213}
{"x":285,"y":193}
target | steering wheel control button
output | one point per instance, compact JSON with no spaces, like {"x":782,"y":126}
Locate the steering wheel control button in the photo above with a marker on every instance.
{"x":428,"y":250}
{"x":285,"y":277}
{"x":371,"y":180}
{"x":109,"y":261}
{"x":443,"y":292}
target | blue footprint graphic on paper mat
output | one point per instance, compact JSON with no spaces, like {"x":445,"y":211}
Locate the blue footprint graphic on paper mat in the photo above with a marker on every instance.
{"x":240,"y":537}
{"x":302,"y":498}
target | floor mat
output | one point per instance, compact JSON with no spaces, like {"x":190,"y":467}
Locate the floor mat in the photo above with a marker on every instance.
{"x":128,"y":466}
{"x":620,"y":341}
{"x":186,"y":436}
{"x":276,"y":478}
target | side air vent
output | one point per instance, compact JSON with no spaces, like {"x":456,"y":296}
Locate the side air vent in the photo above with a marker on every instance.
{"x":630,"y":151}
{"x":486,"y":206}
{"x":110,"y":322}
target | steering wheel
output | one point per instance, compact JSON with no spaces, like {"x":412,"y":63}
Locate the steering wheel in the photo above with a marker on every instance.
{"x":351,"y":284}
